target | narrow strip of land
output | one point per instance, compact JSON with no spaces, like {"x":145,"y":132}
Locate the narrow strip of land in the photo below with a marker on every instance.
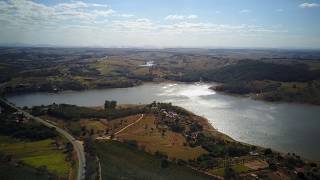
{"x":76,"y":144}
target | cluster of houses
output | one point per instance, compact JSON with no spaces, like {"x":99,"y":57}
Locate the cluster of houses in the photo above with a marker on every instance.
{"x":169,"y":114}
{"x":172,"y":116}
{"x":20,"y":118}
{"x":17,"y":116}
{"x":148,"y":64}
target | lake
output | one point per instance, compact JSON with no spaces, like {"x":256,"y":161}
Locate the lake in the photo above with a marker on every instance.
{"x":281,"y":126}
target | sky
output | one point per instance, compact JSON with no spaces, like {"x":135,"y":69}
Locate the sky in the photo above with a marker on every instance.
{"x":162,"y":23}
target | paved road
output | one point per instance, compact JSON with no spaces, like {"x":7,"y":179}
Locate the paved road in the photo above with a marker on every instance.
{"x":77,"y":145}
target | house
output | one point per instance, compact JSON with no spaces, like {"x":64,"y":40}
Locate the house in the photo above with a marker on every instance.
{"x":254,"y":153}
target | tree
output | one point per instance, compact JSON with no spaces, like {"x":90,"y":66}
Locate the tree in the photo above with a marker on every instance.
{"x":113,"y":104}
{"x":164,"y":163}
{"x":301,"y":175}
{"x":89,"y":146}
{"x":91,"y":132}
{"x":69,"y":147}
{"x":110,"y":104}
{"x":83,"y":128}
{"x":267,"y":151}
{"x":106,"y":104}
{"x":229,"y":173}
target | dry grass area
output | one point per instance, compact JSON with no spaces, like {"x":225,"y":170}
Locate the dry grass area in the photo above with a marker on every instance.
{"x":110,"y":65}
{"x":257,"y":164}
{"x":171,"y":143}
{"x":117,"y":124}
{"x":278,"y":175}
{"x":93,"y":124}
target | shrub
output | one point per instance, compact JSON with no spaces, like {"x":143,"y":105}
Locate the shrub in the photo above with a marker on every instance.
{"x":164,"y":163}
{"x":267,"y":151}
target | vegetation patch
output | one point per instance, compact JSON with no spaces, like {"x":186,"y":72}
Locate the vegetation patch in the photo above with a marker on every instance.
{"x":249,"y":70}
{"x":236,"y":168}
{"x":151,"y":139}
{"x":37,"y":154}
{"x":121,"y":161}
{"x":11,"y":172}
{"x":72,"y":112}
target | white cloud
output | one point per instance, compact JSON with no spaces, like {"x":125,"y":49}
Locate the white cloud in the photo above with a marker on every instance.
{"x":309,"y":5}
{"x":146,"y":25}
{"x":136,"y":25}
{"x":79,"y":5}
{"x":64,"y":23}
{"x":24,"y":12}
{"x":125,"y":15}
{"x":245,"y":11}
{"x":175,"y":17}
{"x":72,"y":5}
{"x":103,"y":13}
{"x":279,"y":10}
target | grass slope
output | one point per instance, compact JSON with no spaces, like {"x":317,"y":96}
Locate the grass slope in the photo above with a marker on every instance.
{"x":10,"y":172}
{"x":120,"y":161}
{"x":36,"y":154}
{"x":171,"y":143}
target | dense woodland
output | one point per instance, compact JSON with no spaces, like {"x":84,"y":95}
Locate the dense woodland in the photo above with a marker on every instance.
{"x":73,"y":112}
{"x":250,"y":70}
{"x":17,"y":126}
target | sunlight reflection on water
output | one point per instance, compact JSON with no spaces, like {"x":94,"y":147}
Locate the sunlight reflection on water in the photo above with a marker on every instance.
{"x":285,"y":127}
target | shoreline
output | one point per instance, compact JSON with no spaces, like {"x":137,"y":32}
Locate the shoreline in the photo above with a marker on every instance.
{"x":247,"y":95}
{"x":257,"y":96}
{"x":243,"y":143}
{"x":191,"y":111}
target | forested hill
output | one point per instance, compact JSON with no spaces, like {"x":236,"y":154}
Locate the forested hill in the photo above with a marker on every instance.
{"x":249,"y":70}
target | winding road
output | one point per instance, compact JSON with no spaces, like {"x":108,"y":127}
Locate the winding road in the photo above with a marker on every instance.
{"x":77,"y":145}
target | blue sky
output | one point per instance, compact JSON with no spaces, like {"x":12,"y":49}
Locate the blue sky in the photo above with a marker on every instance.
{"x":162,"y":23}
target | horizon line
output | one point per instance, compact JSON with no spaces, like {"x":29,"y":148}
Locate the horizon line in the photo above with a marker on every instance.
{"x":22,"y":45}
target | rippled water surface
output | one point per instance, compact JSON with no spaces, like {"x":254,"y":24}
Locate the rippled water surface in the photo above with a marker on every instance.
{"x":282,"y":126}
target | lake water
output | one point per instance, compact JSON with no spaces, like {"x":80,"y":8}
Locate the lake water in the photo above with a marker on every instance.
{"x":281,"y":126}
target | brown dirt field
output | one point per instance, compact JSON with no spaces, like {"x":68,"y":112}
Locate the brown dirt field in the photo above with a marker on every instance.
{"x":115,"y":125}
{"x":257,"y":164}
{"x":149,"y":137}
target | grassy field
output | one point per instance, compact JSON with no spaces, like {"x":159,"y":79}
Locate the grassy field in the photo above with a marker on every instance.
{"x":171,"y":143}
{"x":237,"y":168}
{"x":92,"y":124}
{"x":36,"y":154}
{"x":119,"y":123}
{"x":10,"y":172}
{"x":119,"y":161}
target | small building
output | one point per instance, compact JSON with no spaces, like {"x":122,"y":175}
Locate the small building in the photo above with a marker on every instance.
{"x":254,"y":153}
